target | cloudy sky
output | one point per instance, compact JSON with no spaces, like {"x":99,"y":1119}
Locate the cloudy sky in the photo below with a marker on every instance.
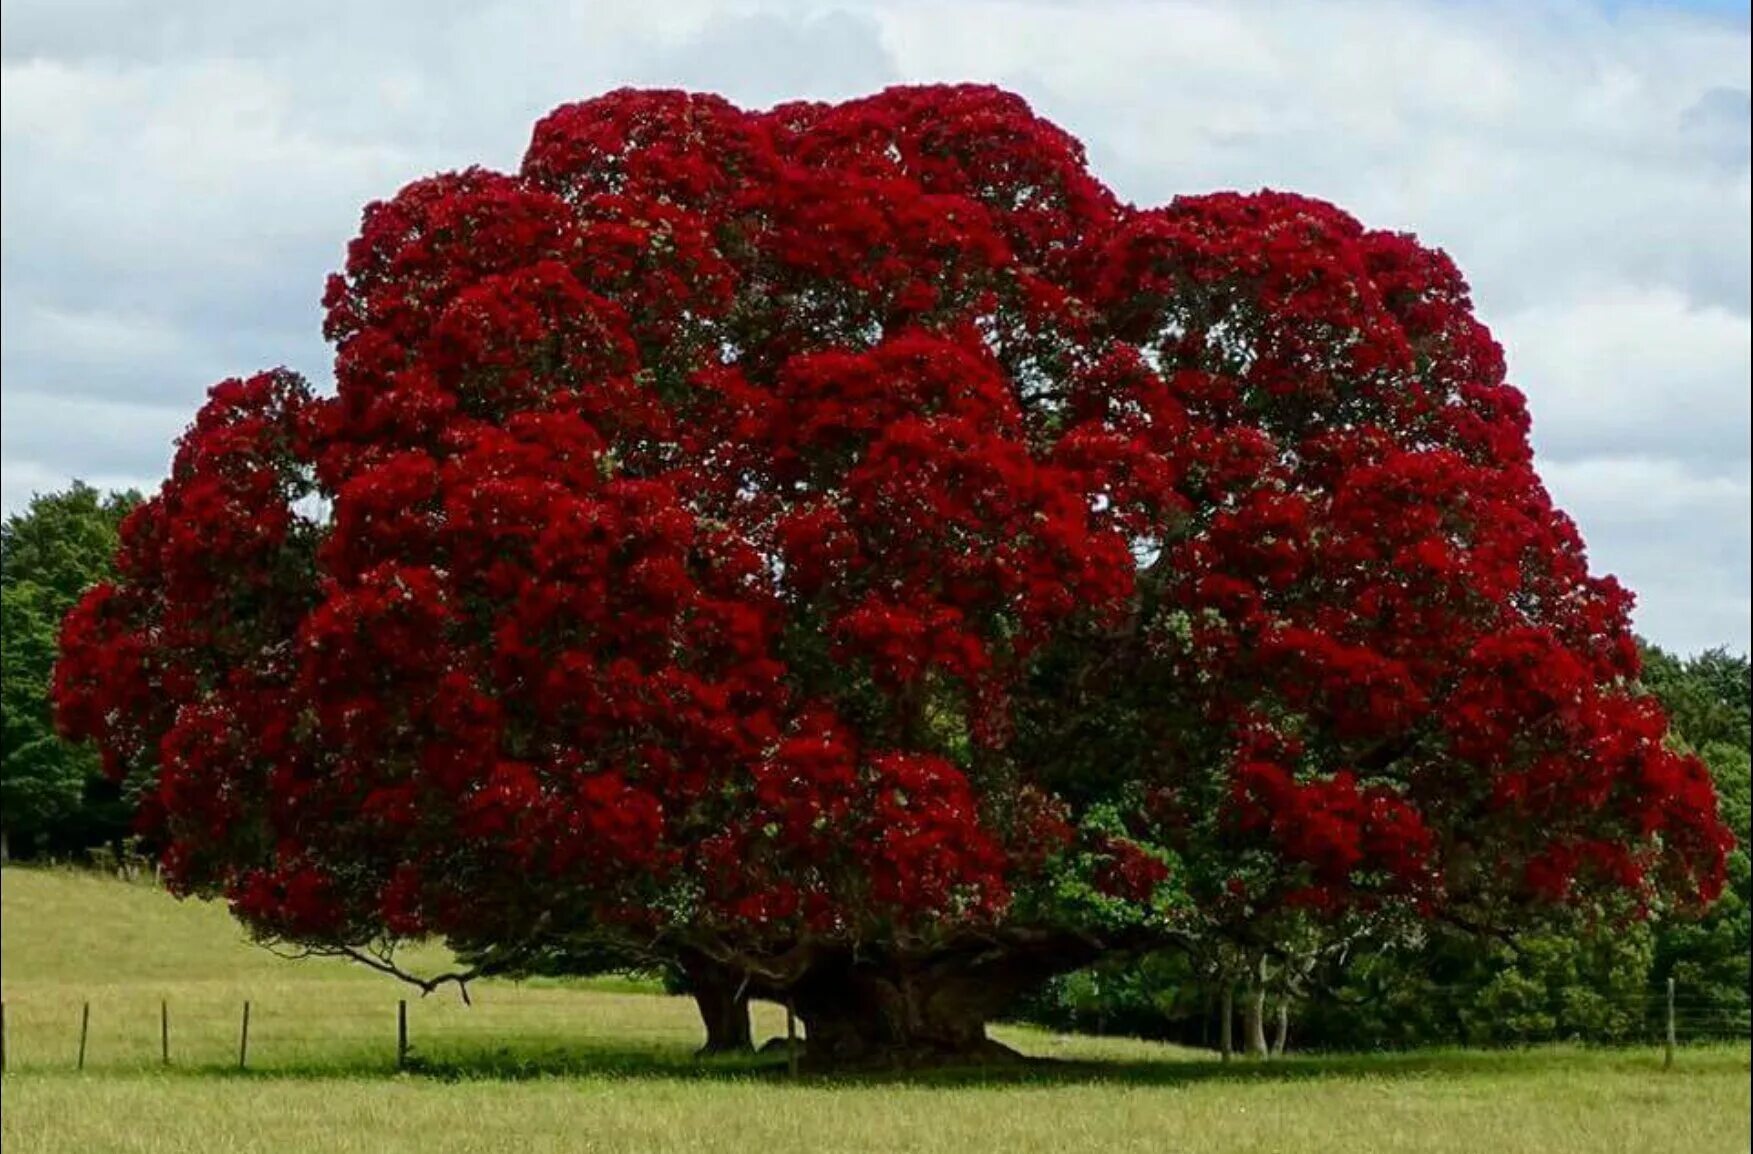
{"x":178,"y":179}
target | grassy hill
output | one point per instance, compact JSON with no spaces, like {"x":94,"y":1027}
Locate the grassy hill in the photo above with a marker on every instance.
{"x":608,"y":1067}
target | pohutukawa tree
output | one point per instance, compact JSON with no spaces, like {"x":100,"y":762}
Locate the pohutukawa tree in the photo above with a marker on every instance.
{"x":845,"y":554}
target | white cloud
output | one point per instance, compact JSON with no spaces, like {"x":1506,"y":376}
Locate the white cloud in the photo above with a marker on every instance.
{"x":1679,"y":539}
{"x":762,"y":58}
{"x":1624,"y":369}
{"x":178,"y":179}
{"x":47,"y":438}
{"x":95,"y":338}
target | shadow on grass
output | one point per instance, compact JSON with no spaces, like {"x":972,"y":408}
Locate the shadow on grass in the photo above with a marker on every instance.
{"x":512,"y":1063}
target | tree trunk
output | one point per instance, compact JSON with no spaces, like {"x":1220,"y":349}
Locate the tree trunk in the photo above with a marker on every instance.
{"x":896,"y":1023}
{"x":897,"y":1008}
{"x":724,"y":1007}
{"x":1254,"y":1012}
{"x":1226,"y":1023}
{"x":1254,"y":1021}
{"x":5,"y":846}
{"x":877,"y":1013}
{"x":1282,"y":1035}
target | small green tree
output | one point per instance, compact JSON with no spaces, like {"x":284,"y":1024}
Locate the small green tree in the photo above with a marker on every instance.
{"x":50,"y":554}
{"x":1709,"y":957}
{"x":1710,"y":698}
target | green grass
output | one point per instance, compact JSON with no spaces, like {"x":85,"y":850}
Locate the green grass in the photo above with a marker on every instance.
{"x":598,"y":1066}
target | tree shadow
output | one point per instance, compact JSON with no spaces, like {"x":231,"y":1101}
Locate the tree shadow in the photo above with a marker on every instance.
{"x":514,"y":1063}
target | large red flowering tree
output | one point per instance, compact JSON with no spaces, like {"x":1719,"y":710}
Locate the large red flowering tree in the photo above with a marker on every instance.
{"x":844,"y":553}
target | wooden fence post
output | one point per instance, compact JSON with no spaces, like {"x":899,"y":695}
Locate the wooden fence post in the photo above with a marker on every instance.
{"x":1668,"y":1048}
{"x":84,"y":1029}
{"x":402,"y":1034}
{"x":164,"y":1029}
{"x":243,"y":1037}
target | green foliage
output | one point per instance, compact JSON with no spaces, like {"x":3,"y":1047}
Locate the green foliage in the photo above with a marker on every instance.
{"x":40,"y":778}
{"x":58,"y":547}
{"x":1560,"y":982}
{"x":1076,"y":896}
{"x":1709,"y":697}
{"x":1155,"y":996}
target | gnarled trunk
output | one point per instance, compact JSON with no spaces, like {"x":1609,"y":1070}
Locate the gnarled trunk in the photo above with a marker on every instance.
{"x":858,"y":1017}
{"x":723,"y":1001}
{"x":1282,"y":1037}
{"x":897,"y":1011}
{"x":896,"y":1008}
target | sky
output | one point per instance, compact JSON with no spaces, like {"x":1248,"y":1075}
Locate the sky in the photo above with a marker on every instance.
{"x":179,"y":178}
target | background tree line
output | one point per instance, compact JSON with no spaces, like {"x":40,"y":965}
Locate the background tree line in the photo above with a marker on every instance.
{"x":1357,"y":986}
{"x":53,"y":799}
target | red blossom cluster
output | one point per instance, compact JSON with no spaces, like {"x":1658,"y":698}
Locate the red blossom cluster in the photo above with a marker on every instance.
{"x":758,"y":526}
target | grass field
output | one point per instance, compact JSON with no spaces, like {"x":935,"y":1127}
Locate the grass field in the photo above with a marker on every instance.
{"x":607,"y":1066}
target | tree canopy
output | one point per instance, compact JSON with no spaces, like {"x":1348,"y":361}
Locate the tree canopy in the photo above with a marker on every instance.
{"x":846,"y":547}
